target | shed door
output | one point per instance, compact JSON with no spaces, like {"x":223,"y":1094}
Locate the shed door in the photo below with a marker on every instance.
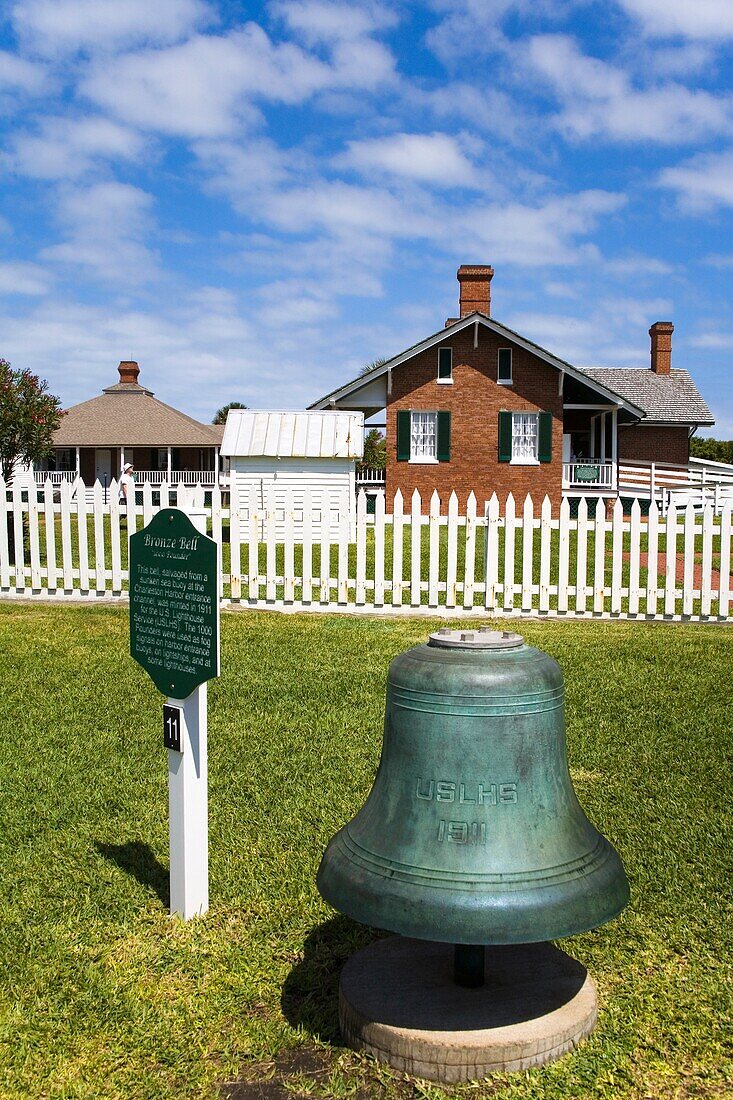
{"x":103,"y":464}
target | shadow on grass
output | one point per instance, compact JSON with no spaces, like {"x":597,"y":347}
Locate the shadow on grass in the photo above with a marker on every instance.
{"x":310,"y":993}
{"x":137,"y":859}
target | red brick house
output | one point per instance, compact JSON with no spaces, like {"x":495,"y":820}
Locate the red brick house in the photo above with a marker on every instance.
{"x":478,"y":407}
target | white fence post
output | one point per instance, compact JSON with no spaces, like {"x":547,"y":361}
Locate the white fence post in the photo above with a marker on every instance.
{"x":491,"y":564}
{"x":361,"y":531}
{"x":527,"y":552}
{"x":469,"y":572}
{"x":563,"y":557}
{"x":306,"y":578}
{"x":724,"y":574}
{"x":581,"y":580}
{"x":397,"y":535}
{"x":434,"y":549}
{"x":545,"y":553}
{"x":415,"y":548}
{"x":510,"y":531}
{"x":379,"y":538}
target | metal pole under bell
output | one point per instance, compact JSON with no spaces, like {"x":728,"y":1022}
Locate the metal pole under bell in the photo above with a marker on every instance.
{"x":468,"y":965}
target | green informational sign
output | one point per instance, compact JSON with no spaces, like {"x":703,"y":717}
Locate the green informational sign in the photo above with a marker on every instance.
{"x":586,"y":473}
{"x":174,"y":603}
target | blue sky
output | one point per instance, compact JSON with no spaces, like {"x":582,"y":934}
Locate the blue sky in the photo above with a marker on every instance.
{"x":254,"y":200}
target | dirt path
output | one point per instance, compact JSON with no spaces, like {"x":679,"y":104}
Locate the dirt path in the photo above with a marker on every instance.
{"x":680,"y":570}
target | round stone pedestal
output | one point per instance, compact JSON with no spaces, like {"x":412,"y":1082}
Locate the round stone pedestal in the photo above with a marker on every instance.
{"x":398,"y":1001}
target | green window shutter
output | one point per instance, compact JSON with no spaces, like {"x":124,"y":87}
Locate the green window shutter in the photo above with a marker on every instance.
{"x":505,"y":437}
{"x":445,"y":362}
{"x":403,"y":435}
{"x":544,"y":438}
{"x":443,"y":437}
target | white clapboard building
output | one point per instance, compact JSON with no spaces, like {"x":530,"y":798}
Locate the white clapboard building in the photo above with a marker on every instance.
{"x":304,"y":462}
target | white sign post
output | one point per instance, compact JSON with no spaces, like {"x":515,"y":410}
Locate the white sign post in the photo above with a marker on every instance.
{"x":188,"y":808}
{"x":174,"y":635}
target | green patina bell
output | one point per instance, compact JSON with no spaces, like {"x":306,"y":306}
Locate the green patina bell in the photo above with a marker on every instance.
{"x":472,"y":833}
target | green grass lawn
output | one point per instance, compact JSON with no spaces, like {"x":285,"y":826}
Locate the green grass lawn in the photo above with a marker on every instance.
{"x":103,"y":995}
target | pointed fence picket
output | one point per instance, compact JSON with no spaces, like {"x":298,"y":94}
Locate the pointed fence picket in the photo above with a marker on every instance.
{"x":65,"y":541}
{"x":563,"y":558}
{"x":509,"y":544}
{"x":379,"y":541}
{"x":527,"y":552}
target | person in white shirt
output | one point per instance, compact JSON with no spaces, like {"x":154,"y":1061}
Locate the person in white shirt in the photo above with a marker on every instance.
{"x":127,"y":482}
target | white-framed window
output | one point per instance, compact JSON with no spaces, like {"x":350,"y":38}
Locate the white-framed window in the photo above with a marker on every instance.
{"x":525,"y":439}
{"x":423,"y":437}
{"x":445,"y":365}
{"x":504,"y":367}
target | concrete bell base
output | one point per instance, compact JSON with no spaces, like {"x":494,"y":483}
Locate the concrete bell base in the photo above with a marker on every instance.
{"x":398,"y":1002}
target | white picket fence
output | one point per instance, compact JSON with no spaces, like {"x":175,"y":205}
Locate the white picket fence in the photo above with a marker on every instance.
{"x":517,"y":561}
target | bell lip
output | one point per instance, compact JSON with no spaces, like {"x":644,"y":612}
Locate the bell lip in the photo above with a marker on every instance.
{"x":432,"y":907}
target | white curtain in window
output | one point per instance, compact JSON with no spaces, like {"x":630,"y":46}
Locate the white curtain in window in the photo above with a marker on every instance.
{"x":423,"y":435}
{"x":524,"y":437}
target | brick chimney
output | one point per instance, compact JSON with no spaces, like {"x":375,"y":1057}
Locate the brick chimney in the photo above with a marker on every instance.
{"x":661,"y":334}
{"x":129,"y":370}
{"x":475,"y":282}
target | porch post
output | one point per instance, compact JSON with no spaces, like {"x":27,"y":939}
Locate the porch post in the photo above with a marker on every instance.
{"x":602,"y":455}
{"x":78,"y":464}
{"x":169,"y":464}
{"x":122,"y":459}
{"x":614,"y":447}
{"x":216,"y":465}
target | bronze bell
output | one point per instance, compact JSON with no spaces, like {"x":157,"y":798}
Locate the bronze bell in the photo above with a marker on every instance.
{"x":472,"y":833}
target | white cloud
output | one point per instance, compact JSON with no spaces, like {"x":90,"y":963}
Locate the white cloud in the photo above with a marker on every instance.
{"x":106,"y":226}
{"x":636,"y":265}
{"x":722,"y":341}
{"x":426,"y":158}
{"x":720,"y":260}
{"x":598,"y":98}
{"x":340,"y":207}
{"x":17,"y":74}
{"x":613,"y":332}
{"x":485,"y":108}
{"x":17,"y":277}
{"x":703,"y":19}
{"x":324,"y":21}
{"x":53,"y":28}
{"x":547,"y":234}
{"x":210,"y":85}
{"x":703,"y":183}
{"x":68,"y":148}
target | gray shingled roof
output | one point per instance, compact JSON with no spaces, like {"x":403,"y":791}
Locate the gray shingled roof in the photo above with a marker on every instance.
{"x":128,"y":415}
{"x":672,"y":398}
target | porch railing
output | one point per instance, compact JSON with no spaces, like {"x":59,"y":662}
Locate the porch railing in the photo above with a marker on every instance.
{"x":588,"y":475}
{"x":370,"y":475}
{"x":206,"y":478}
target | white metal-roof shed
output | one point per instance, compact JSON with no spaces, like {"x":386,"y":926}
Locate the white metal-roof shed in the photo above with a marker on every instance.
{"x":250,"y":433}
{"x":302,"y":462}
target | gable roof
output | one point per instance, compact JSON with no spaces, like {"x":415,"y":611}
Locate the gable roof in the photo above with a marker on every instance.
{"x":501,"y":330}
{"x":128,"y":415}
{"x":654,"y":398}
{"x":668,"y":398}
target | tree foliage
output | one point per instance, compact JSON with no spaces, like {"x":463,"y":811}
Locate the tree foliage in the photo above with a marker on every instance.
{"x":375,"y":449}
{"x":369,"y":367}
{"x":221,"y":414}
{"x":29,"y":416}
{"x":716,"y":450}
